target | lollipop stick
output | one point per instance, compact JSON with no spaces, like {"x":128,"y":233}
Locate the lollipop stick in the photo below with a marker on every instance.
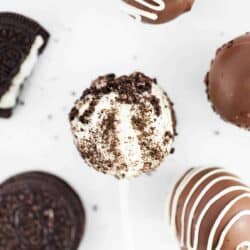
{"x":126,"y":231}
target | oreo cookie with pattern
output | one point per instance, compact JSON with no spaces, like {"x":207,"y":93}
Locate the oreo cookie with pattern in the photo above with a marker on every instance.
{"x":22,"y":40}
{"x":40,"y":211}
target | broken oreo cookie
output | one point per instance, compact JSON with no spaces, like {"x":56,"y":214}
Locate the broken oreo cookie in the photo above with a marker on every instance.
{"x":40,"y":211}
{"x":22,"y":40}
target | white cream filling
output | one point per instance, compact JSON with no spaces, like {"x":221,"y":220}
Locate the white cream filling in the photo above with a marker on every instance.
{"x":8,"y":100}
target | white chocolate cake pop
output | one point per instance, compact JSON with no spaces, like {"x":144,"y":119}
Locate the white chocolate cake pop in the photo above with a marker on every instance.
{"x":123,"y":126}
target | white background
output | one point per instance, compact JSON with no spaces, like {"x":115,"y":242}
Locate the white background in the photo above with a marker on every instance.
{"x":90,"y":38}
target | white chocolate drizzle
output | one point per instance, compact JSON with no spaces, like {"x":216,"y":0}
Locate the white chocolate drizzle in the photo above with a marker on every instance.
{"x":220,"y":218}
{"x":178,"y":193}
{"x":243,"y":245}
{"x":137,"y":13}
{"x":209,"y":205}
{"x":230,"y":225}
{"x":197,"y":184}
{"x":189,"y":235}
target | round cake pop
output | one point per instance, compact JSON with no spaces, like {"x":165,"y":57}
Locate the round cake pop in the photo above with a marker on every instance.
{"x":156,"y":11}
{"x":210,"y":210}
{"x":123,"y":126}
{"x":228,"y":81}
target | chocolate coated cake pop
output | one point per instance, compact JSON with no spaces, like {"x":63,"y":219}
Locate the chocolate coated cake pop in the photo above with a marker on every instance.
{"x":210,"y":210}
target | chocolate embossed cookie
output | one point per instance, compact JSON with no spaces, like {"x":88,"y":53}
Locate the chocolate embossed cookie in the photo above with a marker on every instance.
{"x":21,"y":42}
{"x":40,"y":211}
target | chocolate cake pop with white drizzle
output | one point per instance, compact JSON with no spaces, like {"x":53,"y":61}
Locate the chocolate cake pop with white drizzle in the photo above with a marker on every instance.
{"x":123,"y":126}
{"x":210,"y":210}
{"x":156,"y":11}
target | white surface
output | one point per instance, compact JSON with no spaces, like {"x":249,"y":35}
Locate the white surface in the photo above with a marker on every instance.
{"x":91,"y":38}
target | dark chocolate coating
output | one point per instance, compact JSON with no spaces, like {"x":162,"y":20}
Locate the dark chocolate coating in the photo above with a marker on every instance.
{"x":40,"y":211}
{"x":228,"y":82}
{"x":173,"y":9}
{"x":17,"y":34}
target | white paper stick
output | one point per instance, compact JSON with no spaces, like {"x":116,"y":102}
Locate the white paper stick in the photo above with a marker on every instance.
{"x":125,"y":219}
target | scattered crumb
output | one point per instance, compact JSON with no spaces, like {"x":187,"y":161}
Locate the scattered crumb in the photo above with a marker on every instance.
{"x":135,"y":58}
{"x":73,"y":93}
{"x":21,"y":102}
{"x":50,"y":116}
{"x":56,"y":137}
{"x":216,"y":132}
{"x":172,"y":150}
{"x":56,"y":40}
{"x":95,"y":208}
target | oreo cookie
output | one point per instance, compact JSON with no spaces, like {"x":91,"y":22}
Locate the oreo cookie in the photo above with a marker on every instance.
{"x":39,"y":211}
{"x":22,"y":40}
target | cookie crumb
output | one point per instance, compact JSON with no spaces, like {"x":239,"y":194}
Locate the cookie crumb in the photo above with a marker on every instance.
{"x":21,"y":102}
{"x":217,"y":132}
{"x":95,"y":208}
